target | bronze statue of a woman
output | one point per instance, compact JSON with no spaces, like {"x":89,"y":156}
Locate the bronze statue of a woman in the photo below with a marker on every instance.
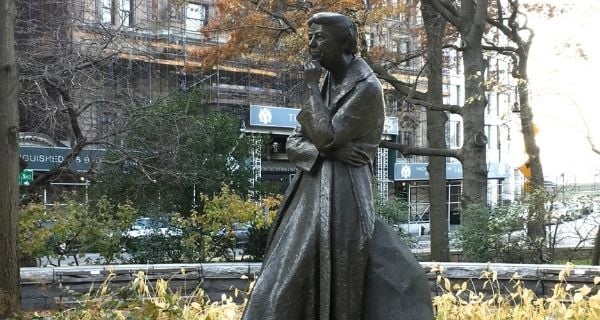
{"x":327,"y":256}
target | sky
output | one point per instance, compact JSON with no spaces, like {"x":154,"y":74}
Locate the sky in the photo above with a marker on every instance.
{"x":564,"y":90}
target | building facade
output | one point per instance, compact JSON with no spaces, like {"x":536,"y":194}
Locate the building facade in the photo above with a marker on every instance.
{"x":146,"y":49}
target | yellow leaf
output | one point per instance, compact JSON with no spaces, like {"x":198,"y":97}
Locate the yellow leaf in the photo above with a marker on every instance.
{"x":196,"y":306}
{"x":561,"y":275}
{"x":568,"y":287}
{"x":447,"y":284}
{"x":585,"y":290}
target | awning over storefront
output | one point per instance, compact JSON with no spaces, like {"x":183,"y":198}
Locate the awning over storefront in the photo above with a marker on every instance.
{"x":278,"y":166}
{"x":47,"y":158}
{"x":404,"y":171}
{"x":285,"y":118}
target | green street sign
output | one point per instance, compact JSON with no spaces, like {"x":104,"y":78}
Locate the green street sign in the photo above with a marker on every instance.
{"x":25,"y":177}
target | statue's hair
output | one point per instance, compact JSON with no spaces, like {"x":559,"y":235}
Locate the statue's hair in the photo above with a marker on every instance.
{"x":349,"y":31}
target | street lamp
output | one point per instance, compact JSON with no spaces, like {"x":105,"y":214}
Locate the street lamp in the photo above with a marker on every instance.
{"x":562,"y":175}
{"x":84,"y":180}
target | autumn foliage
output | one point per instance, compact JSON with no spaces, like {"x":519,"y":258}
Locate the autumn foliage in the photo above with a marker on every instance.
{"x":275,"y":31}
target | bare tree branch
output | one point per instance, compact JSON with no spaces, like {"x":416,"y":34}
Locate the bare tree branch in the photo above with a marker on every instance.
{"x":409,"y":150}
{"x":281,"y":18}
{"x":448,"y":10}
{"x":454,"y":109}
{"x":402,"y":87}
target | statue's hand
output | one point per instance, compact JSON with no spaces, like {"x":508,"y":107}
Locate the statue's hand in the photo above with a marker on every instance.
{"x":312,"y":72}
{"x":351,"y":155}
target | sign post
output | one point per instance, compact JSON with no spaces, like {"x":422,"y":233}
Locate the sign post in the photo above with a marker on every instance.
{"x":25,"y":177}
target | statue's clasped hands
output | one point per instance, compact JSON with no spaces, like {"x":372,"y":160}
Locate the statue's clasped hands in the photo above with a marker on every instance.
{"x":351,"y":155}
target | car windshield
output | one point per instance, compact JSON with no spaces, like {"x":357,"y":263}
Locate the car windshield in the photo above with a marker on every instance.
{"x":239,"y":226}
{"x":148,"y":223}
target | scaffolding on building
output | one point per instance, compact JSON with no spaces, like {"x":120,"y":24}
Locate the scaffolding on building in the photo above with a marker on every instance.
{"x":148,"y":49}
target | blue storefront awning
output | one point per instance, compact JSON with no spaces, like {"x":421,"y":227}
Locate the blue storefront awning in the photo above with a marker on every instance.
{"x":418,"y":171}
{"x":285,"y":118}
{"x":47,"y":158}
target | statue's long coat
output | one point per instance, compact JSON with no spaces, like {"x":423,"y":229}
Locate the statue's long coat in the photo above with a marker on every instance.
{"x":319,"y":251}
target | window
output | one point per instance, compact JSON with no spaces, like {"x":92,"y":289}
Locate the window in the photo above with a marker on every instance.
{"x":406,"y":137}
{"x":195,"y":17}
{"x":447,"y":134}
{"x":488,"y":134}
{"x":117,"y":12}
{"x":175,"y":12}
{"x":404,"y":47}
{"x":369,"y":40}
{"x":498,"y":96}
{"x":107,"y":12}
{"x":125,"y":13}
{"x":405,"y":51}
{"x":395,"y":46}
{"x":458,"y":134}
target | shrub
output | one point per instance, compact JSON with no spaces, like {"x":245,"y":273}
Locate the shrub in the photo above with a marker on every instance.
{"x":209,"y":234}
{"x":73,"y":228}
{"x":392,"y":210}
{"x":458,"y":302}
{"x":494,"y":234}
{"x":154,"y":248}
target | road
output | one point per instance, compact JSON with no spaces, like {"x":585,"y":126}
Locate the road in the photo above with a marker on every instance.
{"x":576,"y":233}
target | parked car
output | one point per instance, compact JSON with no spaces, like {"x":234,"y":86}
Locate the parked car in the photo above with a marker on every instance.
{"x":241,"y":232}
{"x":146,"y":226}
{"x":557,"y":212}
{"x":418,"y":227}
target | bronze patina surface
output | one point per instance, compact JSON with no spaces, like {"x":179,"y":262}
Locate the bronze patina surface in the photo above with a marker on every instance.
{"x":328,"y":257}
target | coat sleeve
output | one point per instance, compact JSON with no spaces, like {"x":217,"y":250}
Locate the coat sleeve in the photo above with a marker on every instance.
{"x":301,"y":151}
{"x":356,"y":117}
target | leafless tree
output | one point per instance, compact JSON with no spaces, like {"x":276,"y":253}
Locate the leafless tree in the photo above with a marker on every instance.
{"x":509,"y":20}
{"x":73,"y":91}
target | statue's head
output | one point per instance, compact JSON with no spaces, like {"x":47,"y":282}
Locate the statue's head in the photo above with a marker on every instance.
{"x":341,"y":26}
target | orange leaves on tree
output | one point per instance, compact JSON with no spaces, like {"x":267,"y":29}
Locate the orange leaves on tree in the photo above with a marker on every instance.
{"x":274,"y":32}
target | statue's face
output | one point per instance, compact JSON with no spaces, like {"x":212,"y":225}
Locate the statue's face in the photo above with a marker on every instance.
{"x":324,"y":45}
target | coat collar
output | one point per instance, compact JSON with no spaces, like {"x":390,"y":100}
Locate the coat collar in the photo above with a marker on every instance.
{"x":359,"y":70}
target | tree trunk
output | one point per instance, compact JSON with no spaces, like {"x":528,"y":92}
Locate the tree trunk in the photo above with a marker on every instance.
{"x":536,"y":223}
{"x":436,"y":136}
{"x":470,"y":19}
{"x":509,"y":23}
{"x":474,"y":146}
{"x":9,"y":164}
